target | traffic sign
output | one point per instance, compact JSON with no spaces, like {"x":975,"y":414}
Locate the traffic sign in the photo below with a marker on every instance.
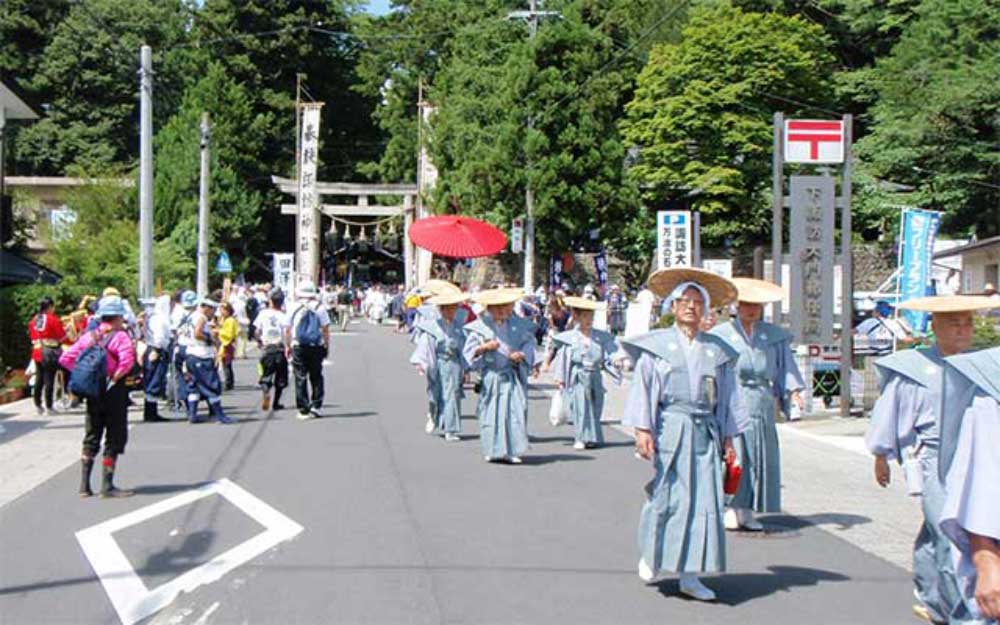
{"x":224,"y":265}
{"x":814,"y":141}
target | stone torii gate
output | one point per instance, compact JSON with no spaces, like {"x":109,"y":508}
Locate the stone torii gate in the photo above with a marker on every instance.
{"x":416,"y":262}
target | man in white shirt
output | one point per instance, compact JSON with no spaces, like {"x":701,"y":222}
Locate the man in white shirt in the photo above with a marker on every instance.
{"x":307,"y":343}
{"x":200,"y":363}
{"x":271,"y":324}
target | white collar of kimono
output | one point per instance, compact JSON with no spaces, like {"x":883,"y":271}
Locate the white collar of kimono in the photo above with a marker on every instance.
{"x":683,"y":286}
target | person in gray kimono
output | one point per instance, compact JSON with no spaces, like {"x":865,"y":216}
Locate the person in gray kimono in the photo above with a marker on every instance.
{"x":685,"y":408}
{"x":583,"y":354}
{"x":767,"y":375}
{"x":970,"y":467}
{"x":438,"y":355}
{"x":904,"y":427}
{"x":501,"y":347}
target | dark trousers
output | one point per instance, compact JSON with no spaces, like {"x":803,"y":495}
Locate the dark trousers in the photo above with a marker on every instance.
{"x":273,"y":368}
{"x":227,"y":366}
{"x":46,"y":375}
{"x":154,"y":372}
{"x":107,"y":417}
{"x":307,"y":362}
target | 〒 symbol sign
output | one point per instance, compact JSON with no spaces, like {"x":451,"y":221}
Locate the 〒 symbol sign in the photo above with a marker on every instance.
{"x":814,"y":141}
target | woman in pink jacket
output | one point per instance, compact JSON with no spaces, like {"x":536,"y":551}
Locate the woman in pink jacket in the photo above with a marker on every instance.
{"x":107,"y":415}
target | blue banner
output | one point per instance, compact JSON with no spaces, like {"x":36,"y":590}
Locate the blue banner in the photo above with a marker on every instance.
{"x":919,"y":229}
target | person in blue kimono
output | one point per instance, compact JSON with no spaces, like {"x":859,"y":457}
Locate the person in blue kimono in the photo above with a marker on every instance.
{"x":501,"y":347}
{"x":438,"y":355}
{"x":767,"y":375}
{"x":904,"y":427}
{"x":685,"y":407}
{"x":970,"y":467}
{"x":583,"y":354}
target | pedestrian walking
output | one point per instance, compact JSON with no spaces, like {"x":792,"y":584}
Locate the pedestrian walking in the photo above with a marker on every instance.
{"x":200,"y":354}
{"x":685,"y":408}
{"x":47,"y":335}
{"x":616,"y":310}
{"x":229,"y":330}
{"x":583,"y":354}
{"x":501,"y":347}
{"x":438,"y":356}
{"x":273,"y":366}
{"x":99,"y":362}
{"x":344,"y":299}
{"x":905,"y":416}
{"x":970,"y":468}
{"x":158,"y":337}
{"x":307,"y":343}
{"x":183,"y":330}
{"x":767,"y":375}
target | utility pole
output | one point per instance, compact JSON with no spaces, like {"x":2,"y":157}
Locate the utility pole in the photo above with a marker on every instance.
{"x":203,"y":207}
{"x":298,"y":154}
{"x":532,"y":15}
{"x":146,"y":173}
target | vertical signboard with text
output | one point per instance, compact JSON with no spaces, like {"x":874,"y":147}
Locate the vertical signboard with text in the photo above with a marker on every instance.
{"x":673,"y":239}
{"x":812,"y":258}
{"x":307,"y":246}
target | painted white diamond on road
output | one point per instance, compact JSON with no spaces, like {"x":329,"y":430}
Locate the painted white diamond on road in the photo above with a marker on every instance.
{"x":130,"y":597}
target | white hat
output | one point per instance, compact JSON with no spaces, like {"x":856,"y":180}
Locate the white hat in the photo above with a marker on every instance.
{"x":306,"y":290}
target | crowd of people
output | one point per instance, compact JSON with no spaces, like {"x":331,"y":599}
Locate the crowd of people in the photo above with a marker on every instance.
{"x":702,"y":399}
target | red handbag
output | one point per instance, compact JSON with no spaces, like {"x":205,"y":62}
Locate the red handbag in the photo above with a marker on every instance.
{"x":731,"y":481}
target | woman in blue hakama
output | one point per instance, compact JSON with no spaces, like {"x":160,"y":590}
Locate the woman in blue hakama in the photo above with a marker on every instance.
{"x":767,"y":375}
{"x":583,"y":354}
{"x":685,"y":408}
{"x":501,"y":347}
{"x":906,"y":415}
{"x":970,"y":468}
{"x":438,"y":355}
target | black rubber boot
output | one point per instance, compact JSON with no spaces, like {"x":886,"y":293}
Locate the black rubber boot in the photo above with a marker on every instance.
{"x":108,"y":489}
{"x":276,"y":404}
{"x":150,"y":414}
{"x":86,"y":464}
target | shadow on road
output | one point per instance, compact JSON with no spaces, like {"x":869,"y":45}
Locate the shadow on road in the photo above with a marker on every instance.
{"x":166,"y":489}
{"x":841,"y":521}
{"x":739,"y":588}
{"x":550,"y":458}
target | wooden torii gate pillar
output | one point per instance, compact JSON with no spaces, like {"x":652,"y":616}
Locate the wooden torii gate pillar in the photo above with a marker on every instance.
{"x":416,"y":263}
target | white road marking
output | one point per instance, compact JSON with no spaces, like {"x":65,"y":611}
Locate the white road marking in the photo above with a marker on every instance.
{"x":131,"y":599}
{"x":853,"y":444}
{"x":203,"y":619}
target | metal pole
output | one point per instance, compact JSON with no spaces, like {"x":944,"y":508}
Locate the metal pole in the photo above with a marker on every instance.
{"x":146,"y":173}
{"x":298,"y":181}
{"x":777,"y":208}
{"x":529,"y":194}
{"x":846,"y":275}
{"x":203,"y":207}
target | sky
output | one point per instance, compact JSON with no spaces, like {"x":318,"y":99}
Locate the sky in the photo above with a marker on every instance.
{"x":378,"y":7}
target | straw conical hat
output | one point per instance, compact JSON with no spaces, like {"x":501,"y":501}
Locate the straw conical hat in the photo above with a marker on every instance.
{"x":439,"y":287}
{"x":720,"y":290}
{"x":498,"y":297}
{"x":950,"y":303}
{"x":448,"y":299}
{"x":582,"y":303}
{"x":756,"y":291}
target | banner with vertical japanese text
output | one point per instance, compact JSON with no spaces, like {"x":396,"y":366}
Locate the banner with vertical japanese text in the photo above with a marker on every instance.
{"x":918,"y":229}
{"x":307,"y":245}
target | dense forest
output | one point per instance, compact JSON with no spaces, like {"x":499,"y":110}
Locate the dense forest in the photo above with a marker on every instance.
{"x":609,"y":110}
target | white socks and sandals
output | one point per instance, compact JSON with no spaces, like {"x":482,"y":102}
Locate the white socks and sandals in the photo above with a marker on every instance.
{"x":690,"y":585}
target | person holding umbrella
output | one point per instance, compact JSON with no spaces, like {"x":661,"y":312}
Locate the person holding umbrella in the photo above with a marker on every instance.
{"x":767,"y":374}
{"x":685,"y":407}
{"x":438,"y":355}
{"x":502,"y":348}
{"x":582,"y":355}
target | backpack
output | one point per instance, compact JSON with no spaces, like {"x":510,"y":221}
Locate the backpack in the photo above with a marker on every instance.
{"x":89,"y":377}
{"x":307,"y":331}
{"x":253,"y":308}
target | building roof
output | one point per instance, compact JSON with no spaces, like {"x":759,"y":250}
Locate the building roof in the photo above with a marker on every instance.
{"x":16,"y":269}
{"x":13,"y":106}
{"x":64,"y":181}
{"x":975,"y":245}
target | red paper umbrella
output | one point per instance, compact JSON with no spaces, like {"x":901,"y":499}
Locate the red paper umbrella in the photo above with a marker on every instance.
{"x":457,"y":236}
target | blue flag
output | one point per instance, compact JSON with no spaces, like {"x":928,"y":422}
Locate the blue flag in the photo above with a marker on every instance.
{"x":919,"y":229}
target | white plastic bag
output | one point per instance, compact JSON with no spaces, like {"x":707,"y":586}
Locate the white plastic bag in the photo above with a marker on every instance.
{"x":559,"y":409}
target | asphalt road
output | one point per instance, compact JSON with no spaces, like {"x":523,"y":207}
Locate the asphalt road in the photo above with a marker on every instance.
{"x":376,"y":522}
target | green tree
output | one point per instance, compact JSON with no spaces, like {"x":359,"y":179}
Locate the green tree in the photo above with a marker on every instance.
{"x":936,"y":123}
{"x":701,"y":115}
{"x":238,"y":137}
{"x":88,"y":73}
